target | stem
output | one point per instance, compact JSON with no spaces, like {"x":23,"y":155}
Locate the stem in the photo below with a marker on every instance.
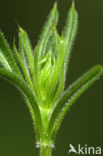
{"x":45,"y":151}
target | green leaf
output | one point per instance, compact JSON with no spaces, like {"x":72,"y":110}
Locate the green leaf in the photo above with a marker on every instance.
{"x":36,"y":75}
{"x":59,"y":88}
{"x":70,"y":32}
{"x":52,"y":18}
{"x":71,"y":95}
{"x":8,"y":54}
{"x":53,"y":78}
{"x":23,"y":66}
{"x":25,"y":44}
{"x":36,"y":128}
{"x":27,"y":91}
{"x":54,"y":40}
{"x":45,"y":71}
{"x":4,"y":62}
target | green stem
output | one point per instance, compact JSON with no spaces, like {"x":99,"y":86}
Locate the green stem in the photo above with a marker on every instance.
{"x":45,"y":151}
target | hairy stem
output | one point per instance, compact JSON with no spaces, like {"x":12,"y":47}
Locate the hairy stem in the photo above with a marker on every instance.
{"x":45,"y":151}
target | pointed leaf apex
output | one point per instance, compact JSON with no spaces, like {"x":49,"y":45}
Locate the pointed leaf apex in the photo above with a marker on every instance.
{"x":20,"y":29}
{"x":55,"y":5}
{"x":73,"y":3}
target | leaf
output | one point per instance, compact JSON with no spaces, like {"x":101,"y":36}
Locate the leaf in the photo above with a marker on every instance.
{"x":71,"y":95}
{"x":25,"y":43}
{"x":23,"y":66}
{"x":36,"y":128}
{"x":45,"y":71}
{"x":54,"y":40}
{"x":27,"y":91}
{"x":70,"y":32}
{"x":36,"y":75}
{"x":51,"y":83}
{"x":8,"y":54}
{"x":59,"y":88}
{"x":52,"y":18}
{"x":4,"y":61}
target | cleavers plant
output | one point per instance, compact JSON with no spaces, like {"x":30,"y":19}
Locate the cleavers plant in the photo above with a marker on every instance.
{"x":40,"y":75}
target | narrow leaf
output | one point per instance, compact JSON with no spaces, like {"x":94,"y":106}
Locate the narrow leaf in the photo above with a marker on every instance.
{"x":23,"y":66}
{"x":36,"y":75}
{"x":70,"y":32}
{"x":36,"y":127}
{"x":45,"y":71}
{"x":8,"y":54}
{"x":71,"y":94}
{"x":4,"y":62}
{"x":27,"y":91}
{"x":60,"y":87}
{"x":25,"y":43}
{"x":55,"y":74}
{"x":52,"y":18}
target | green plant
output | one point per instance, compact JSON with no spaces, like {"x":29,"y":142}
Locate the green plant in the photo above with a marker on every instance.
{"x":40,"y":75}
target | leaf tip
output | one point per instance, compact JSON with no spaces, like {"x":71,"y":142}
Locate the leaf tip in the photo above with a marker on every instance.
{"x":73,"y":3}
{"x":20,"y":29}
{"x":55,"y":5}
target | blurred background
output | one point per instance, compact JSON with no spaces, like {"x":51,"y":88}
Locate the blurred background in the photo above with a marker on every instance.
{"x":84,"y":122}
